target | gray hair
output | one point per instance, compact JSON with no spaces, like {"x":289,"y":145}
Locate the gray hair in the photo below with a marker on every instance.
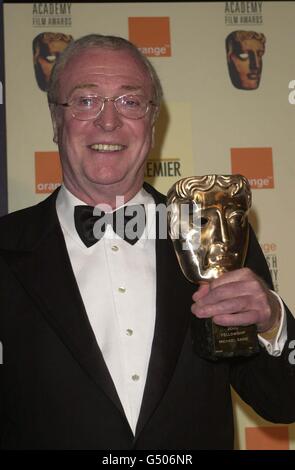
{"x":104,"y":42}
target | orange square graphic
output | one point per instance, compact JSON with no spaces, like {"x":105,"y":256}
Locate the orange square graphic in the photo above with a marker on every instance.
{"x":48,"y":175}
{"x":267,"y":438}
{"x":256,"y":164}
{"x":151,"y":35}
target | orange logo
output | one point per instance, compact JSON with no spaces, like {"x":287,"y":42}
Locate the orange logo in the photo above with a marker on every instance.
{"x":48,"y":175}
{"x":267,"y":438}
{"x":151,"y":35}
{"x":255,"y":164}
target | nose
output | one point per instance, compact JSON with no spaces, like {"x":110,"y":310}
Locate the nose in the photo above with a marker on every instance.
{"x":220,"y":232}
{"x":254,"y":61}
{"x":108,"y":119}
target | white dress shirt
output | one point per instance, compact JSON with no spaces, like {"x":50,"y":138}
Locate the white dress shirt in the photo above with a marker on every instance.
{"x":117,"y":283}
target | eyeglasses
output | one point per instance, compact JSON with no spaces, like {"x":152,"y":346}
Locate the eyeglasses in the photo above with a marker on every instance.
{"x":89,"y":107}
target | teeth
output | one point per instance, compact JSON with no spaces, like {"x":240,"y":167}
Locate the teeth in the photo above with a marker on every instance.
{"x":107,"y":147}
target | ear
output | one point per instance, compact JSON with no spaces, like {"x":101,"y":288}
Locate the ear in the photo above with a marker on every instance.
{"x":154,"y":118}
{"x":54,"y":123}
{"x":153,"y":137}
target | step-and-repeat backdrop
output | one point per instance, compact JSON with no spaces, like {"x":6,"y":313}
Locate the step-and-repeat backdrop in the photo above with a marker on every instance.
{"x":228,"y":72}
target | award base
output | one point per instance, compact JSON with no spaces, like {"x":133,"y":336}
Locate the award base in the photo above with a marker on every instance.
{"x":215,"y":342}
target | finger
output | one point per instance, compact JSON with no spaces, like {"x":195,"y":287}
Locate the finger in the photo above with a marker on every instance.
{"x":201,"y":292}
{"x":231,"y":290}
{"x":225,"y":307}
{"x":236,"y":275}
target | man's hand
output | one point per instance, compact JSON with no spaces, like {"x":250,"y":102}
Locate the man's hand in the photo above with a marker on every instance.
{"x":238,"y":297}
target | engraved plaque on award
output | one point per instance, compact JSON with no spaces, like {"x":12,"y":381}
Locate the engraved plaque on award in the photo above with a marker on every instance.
{"x":208,"y":224}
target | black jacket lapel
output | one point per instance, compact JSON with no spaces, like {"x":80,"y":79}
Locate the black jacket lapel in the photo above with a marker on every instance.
{"x":39,"y":259}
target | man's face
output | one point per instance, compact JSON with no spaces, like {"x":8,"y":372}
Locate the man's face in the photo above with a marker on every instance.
{"x":106,"y":154}
{"x":216,"y":240}
{"x":47,"y":52}
{"x":245,"y":64}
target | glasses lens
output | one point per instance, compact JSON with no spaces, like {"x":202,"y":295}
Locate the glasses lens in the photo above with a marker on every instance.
{"x":86,"y":107}
{"x":132,"y":106}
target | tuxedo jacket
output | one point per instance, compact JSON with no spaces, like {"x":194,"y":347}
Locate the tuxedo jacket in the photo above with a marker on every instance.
{"x":55,"y":389}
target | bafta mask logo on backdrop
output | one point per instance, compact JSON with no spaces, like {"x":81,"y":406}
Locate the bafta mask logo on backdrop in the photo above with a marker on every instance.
{"x":244,"y":51}
{"x":46,"y":49}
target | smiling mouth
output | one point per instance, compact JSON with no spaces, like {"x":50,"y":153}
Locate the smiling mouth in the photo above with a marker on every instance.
{"x":107,"y":147}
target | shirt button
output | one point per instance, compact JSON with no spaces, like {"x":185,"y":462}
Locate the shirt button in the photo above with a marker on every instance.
{"x":135,"y":377}
{"x":129,"y":332}
{"x":122,"y":290}
{"x":115,"y":248}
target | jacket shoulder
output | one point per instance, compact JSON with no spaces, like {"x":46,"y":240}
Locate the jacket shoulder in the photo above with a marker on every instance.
{"x":12,"y":223}
{"x":16,"y":226}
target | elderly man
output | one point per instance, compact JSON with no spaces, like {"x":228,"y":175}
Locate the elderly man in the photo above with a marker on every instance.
{"x":96,"y":334}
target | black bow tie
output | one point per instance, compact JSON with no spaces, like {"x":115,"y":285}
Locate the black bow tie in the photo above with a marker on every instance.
{"x":128,"y":222}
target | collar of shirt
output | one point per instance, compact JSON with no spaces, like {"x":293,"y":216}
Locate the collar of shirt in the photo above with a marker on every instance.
{"x":66,"y":202}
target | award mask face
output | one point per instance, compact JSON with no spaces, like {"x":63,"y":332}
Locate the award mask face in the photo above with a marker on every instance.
{"x":208,"y":224}
{"x":244,"y":51}
{"x":46,"y":48}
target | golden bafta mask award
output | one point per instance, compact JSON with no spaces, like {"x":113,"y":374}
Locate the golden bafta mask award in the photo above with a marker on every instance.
{"x":208,"y":224}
